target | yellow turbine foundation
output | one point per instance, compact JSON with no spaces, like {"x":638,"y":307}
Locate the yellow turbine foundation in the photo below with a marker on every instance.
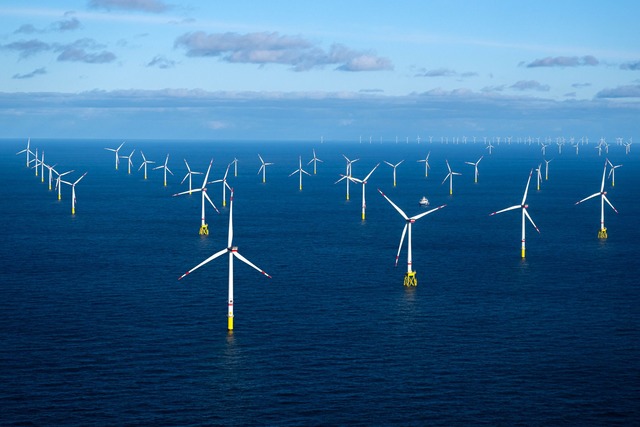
{"x":523,"y":251}
{"x":602,"y":233}
{"x":410,"y":279}
{"x":204,"y":230}
{"x":230,"y":323}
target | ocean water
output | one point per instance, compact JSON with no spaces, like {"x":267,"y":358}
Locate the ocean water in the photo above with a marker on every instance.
{"x":97,"y":330}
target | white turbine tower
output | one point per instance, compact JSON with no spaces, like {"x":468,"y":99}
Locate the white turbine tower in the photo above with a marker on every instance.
{"x":394,"y":169}
{"x":300,"y":171}
{"x":524,"y":207}
{"x":539,"y":175}
{"x":73,"y":193}
{"x":263,"y":169}
{"x":166,"y":169}
{"x":315,"y":160}
{"x":115,"y":150}
{"x":602,"y":233}
{"x":233,"y":252}
{"x":475,"y":165}
{"x":144,"y":164}
{"x":188,"y":175}
{"x":426,"y":164}
{"x":410,"y":276}
{"x":450,"y":177}
{"x":204,"y":227}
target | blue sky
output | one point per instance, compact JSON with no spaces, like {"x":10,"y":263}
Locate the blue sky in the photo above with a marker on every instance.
{"x":283,"y":70}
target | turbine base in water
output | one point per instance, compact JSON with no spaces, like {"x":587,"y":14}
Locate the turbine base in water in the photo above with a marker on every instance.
{"x":410,"y":279}
{"x":602,"y":233}
{"x":204,"y":230}
{"x":230,"y":323}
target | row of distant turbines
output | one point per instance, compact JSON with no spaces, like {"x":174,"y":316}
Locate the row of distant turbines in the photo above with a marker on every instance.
{"x":38,"y":164}
{"x":410,"y":278}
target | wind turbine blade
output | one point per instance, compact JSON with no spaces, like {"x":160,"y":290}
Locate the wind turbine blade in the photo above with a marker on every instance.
{"x":394,"y":205}
{"x":304,"y":171}
{"x":506,"y":209}
{"x":417,"y":217}
{"x":603,"y":172}
{"x":169,"y":170}
{"x":526,"y":189}
{"x":445,"y":178}
{"x":388,"y":163}
{"x":204,"y":183}
{"x":260,"y":170}
{"x":211,"y":258}
{"x":78,"y":180}
{"x":529,"y":218}
{"x":249,"y":263}
{"x":589,"y":197}
{"x":187,"y":192}
{"x":404,"y":231}
{"x":295,"y":171}
{"x":607,"y":200}
{"x":367,"y":177}
{"x":185,"y":177}
{"x":343,"y":177}
{"x":206,"y":196}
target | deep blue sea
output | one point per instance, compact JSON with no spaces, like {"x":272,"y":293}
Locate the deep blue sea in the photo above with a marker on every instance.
{"x":97,"y":330}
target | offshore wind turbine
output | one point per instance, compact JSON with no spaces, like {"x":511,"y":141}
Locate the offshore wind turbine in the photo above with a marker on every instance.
{"x":59,"y":180}
{"x":233,"y":252}
{"x":300,"y":171}
{"x":546,"y":169}
{"x":51,"y":172}
{"x":364,"y":184}
{"x":73,"y":192}
{"x":204,"y":227}
{"x":166,"y":169}
{"x":26,"y":150}
{"x":263,"y":169}
{"x":35,"y":161}
{"x":42,"y":165}
{"x":475,"y":165}
{"x":602,"y":233}
{"x":426,"y":164}
{"x":315,"y":160}
{"x":189,"y":174}
{"x":115,"y":150}
{"x":539,"y":175}
{"x":224,"y":185}
{"x":490,"y":147}
{"x":348,"y":172}
{"x":612,"y":172}
{"x":524,"y":207}
{"x":450,"y":177}
{"x":235,"y":166}
{"x":394,"y":169}
{"x":410,"y":276}
{"x":129,"y":161}
{"x":145,"y":162}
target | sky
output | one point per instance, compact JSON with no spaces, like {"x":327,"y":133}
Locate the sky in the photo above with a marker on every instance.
{"x":302,"y":70}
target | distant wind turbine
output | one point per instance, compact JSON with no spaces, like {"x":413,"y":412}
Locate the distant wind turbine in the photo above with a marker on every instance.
{"x":115,"y":150}
{"x":525,"y":214}
{"x":602,"y":233}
